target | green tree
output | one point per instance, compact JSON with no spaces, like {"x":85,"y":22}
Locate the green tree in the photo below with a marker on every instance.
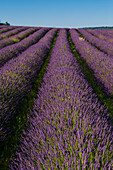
{"x":7,"y":23}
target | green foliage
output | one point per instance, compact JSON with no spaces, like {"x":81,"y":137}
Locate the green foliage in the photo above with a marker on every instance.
{"x":6,"y":23}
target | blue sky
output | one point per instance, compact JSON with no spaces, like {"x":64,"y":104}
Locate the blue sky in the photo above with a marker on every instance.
{"x":59,"y":13}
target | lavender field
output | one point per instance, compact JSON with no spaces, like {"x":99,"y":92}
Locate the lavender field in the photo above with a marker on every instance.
{"x":56,"y":98}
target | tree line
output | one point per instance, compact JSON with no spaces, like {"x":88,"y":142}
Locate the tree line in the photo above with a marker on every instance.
{"x":6,"y":23}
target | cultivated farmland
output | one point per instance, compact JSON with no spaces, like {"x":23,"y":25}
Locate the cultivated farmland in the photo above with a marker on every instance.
{"x":56,"y":98}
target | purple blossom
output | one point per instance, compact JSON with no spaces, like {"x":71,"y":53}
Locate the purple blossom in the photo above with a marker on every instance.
{"x":85,"y":121}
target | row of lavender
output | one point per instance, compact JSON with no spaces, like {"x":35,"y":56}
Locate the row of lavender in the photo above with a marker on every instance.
{"x":16,"y":38}
{"x":108,"y":33}
{"x":5,"y":29}
{"x":99,"y":34}
{"x":67,"y":127}
{"x":100,"y":63}
{"x":103,"y":45}
{"x":13,"y":50}
{"x":11,"y":32}
{"x":17,"y":75}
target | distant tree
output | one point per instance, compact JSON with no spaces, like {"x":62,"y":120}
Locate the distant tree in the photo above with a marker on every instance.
{"x":98,"y":28}
{"x":7,"y":23}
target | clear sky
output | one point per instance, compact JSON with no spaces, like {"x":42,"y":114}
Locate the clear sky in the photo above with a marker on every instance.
{"x":57,"y":13}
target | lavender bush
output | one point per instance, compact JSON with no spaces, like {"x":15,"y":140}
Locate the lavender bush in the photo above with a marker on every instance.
{"x":13,"y":50}
{"x":12,"y":32}
{"x":103,"y":45}
{"x":100,"y":63}
{"x":16,"y":38}
{"x":16,"y":77}
{"x":104,"y":32}
{"x":99,"y":34}
{"x":5,"y":29}
{"x":68,"y":128}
